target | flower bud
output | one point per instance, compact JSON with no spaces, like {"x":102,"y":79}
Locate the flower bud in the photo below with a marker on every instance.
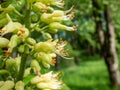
{"x":47,"y":81}
{"x":38,"y":6}
{"x":31,"y":41}
{"x":46,"y":65}
{"x":7,"y":85}
{"x":58,"y":13}
{"x":56,"y":25}
{"x":35,"y":80}
{"x":35,"y":66}
{"x":3,"y":42}
{"x":49,"y":85}
{"x":47,"y":18}
{"x":13,"y":64}
{"x":48,"y":46}
{"x":23,"y":32}
{"x":27,"y":72}
{"x":50,"y":18}
{"x":17,"y":62}
{"x":19,"y":85}
{"x":11,"y":27}
{"x":21,"y":48}
{"x":47,"y":36}
{"x":45,"y":59}
{"x":1,"y":83}
{"x":35,"y":17}
{"x":14,"y":41}
{"x":10,"y":63}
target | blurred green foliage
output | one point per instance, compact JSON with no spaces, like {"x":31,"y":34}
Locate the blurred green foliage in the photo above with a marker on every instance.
{"x":91,"y":74}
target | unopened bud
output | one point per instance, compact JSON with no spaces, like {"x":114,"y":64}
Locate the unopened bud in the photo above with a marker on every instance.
{"x":3,"y":42}
{"x":35,"y":66}
{"x":27,"y":72}
{"x":21,"y":48}
{"x":47,"y":46}
{"x":38,"y":6}
{"x":35,"y":80}
{"x":19,"y":85}
{"x":14,"y":41}
{"x":31,"y":41}
{"x":57,"y":25}
{"x":7,"y":85}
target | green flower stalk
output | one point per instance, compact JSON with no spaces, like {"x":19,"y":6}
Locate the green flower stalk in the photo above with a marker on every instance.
{"x":25,"y":55}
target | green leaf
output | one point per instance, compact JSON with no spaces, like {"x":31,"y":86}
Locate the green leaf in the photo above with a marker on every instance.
{"x":27,"y":79}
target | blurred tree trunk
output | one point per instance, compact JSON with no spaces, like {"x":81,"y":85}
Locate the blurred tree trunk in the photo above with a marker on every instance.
{"x":107,"y":42}
{"x":75,"y":45}
{"x":110,"y":54}
{"x":57,"y":64}
{"x":98,"y":21}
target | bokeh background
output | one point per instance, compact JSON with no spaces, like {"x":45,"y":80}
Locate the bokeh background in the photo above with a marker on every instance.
{"x":94,"y":46}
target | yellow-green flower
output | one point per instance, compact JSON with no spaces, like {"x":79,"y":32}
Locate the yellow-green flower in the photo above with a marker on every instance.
{"x":47,"y":46}
{"x":47,"y":81}
{"x":7,"y":85}
{"x":57,"y":25}
{"x":11,"y":27}
{"x":35,"y":66}
{"x":46,"y":59}
{"x":41,"y":7}
{"x":3,"y":42}
{"x":19,"y":85}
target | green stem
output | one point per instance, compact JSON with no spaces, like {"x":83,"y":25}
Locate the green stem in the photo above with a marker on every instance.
{"x":24,"y":55}
{"x":22,"y":66}
{"x":28,"y":16}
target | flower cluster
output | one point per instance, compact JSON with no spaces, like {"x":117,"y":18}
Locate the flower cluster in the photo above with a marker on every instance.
{"x":24,"y":55}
